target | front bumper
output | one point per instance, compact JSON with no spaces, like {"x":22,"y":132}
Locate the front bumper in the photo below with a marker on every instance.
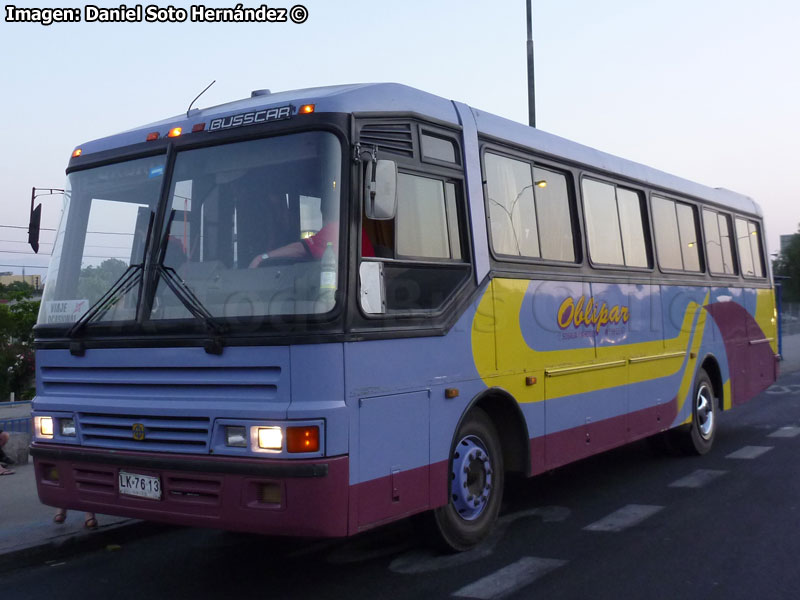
{"x":306,"y":497}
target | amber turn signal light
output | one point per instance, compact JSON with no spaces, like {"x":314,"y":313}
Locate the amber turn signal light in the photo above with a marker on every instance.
{"x":302,"y":439}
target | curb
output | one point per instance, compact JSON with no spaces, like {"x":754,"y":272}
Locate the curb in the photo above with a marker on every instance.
{"x":67,"y":546}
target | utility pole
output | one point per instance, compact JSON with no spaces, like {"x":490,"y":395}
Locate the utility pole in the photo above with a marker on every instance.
{"x":531,"y":86}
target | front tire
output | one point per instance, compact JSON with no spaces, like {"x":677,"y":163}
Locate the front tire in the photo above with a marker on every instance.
{"x":475,"y":486}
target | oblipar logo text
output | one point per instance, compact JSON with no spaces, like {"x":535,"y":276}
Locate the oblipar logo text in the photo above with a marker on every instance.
{"x":590,"y":313}
{"x":251,"y":118}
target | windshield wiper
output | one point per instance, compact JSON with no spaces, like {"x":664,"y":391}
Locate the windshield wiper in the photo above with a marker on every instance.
{"x":126,"y":282}
{"x":192,"y":303}
{"x":130,"y":278}
{"x":188,"y":298}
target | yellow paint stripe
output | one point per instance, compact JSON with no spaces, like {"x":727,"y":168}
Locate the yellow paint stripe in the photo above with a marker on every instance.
{"x":765,"y":316}
{"x":501,"y":306}
{"x":689,"y":370}
{"x":727,"y":400}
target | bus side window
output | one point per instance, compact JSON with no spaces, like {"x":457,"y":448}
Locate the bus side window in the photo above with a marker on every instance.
{"x":675,"y":225}
{"x":615,"y":224}
{"x":421,"y":248}
{"x":750,"y":258}
{"x":529,"y":210}
{"x":716,"y":227}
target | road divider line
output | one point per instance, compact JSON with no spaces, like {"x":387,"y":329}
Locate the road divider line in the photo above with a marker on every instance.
{"x":509,"y":579}
{"x":749,"y":452}
{"x":789,"y":431}
{"x":697,"y":479}
{"x":625,"y":517}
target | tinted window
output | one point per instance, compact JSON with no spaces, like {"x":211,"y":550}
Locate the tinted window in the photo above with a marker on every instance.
{"x":602,"y":222}
{"x":512,"y":212}
{"x":727,"y":244}
{"x":687,"y":225}
{"x":422,"y":229}
{"x":438,"y":148}
{"x":718,"y":243}
{"x":749,"y":243}
{"x":529,"y":210}
{"x":632,"y":225}
{"x":552,"y":205}
{"x":675,"y":226}
{"x":614,"y":224}
{"x":713,"y":244}
{"x":755,"y":247}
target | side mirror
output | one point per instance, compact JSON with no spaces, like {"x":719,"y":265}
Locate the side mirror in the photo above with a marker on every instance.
{"x":373,"y":293}
{"x":34,"y":224}
{"x":380,"y":190}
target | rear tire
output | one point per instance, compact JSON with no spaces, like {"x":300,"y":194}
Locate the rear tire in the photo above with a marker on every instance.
{"x":475,"y":486}
{"x":697,"y":438}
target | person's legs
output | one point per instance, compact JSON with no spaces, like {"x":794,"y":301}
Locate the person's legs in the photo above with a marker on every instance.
{"x":60,"y":516}
{"x":4,"y":459}
{"x":91,"y":521}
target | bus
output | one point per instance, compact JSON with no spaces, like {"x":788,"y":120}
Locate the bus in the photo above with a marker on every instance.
{"x":316,"y":312}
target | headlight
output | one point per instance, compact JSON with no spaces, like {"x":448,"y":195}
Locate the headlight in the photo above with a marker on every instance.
{"x":236,"y":436}
{"x":67,"y":427}
{"x":270,"y":438}
{"x":44,"y":426}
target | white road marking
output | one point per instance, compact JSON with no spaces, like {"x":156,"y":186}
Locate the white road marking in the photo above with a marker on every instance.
{"x":697,"y":479}
{"x":509,"y":579}
{"x":625,"y":517}
{"x":789,"y":431}
{"x":749,"y":452}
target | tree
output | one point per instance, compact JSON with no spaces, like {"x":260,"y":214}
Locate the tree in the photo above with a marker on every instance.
{"x":788,"y":265}
{"x":95,"y":281}
{"x":17,"y":318}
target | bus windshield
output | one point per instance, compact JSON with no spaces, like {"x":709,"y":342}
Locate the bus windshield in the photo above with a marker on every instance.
{"x":244,"y":231}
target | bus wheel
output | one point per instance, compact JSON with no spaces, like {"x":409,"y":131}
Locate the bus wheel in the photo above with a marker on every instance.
{"x":699,"y":435}
{"x":475,"y":485}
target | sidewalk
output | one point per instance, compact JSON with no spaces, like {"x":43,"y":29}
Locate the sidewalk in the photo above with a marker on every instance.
{"x":27,"y":530}
{"x":28,"y":534}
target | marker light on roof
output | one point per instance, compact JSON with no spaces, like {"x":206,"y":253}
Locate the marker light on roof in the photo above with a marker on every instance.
{"x":77,"y":152}
{"x":306,"y":109}
{"x":175,"y":132}
{"x":152,"y":136}
{"x":198,"y":127}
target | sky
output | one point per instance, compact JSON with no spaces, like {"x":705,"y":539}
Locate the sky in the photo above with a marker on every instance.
{"x":704,"y":89}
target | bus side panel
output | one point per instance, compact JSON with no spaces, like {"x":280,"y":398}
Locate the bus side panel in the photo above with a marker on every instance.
{"x":393,"y":460}
{"x":762,"y":338}
{"x":402,"y":426}
{"x":749,"y":349}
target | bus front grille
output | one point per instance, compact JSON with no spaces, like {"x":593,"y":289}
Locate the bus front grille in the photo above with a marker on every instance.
{"x":151,"y":433}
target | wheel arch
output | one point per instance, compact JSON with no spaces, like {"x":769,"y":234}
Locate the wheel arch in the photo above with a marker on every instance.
{"x":510,"y":424}
{"x":711,"y":366}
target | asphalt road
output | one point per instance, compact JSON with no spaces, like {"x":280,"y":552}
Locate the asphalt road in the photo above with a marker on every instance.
{"x":626,"y":524}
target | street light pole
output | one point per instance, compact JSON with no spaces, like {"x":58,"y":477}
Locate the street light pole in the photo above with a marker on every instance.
{"x":531,"y":86}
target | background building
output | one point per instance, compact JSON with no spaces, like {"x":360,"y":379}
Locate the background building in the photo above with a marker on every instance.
{"x":33,"y":280}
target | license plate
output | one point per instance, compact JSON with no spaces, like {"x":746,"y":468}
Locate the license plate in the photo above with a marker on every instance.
{"x":143,"y":486}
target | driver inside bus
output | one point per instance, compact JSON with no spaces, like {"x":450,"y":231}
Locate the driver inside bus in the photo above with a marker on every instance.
{"x":314,"y":245}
